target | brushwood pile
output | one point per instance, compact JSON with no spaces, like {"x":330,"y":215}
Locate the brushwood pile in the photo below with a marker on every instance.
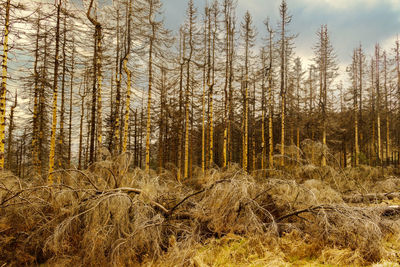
{"x":113,"y":215}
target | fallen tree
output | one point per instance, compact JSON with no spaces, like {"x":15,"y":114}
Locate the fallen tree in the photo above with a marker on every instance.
{"x":371,"y":198}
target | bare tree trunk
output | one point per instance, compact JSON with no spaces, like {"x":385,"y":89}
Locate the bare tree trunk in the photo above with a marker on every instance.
{"x":55,"y":94}
{"x":387,"y":109}
{"x":161,"y":143}
{"x":10,"y":134}
{"x":187,"y":90}
{"x":180,"y":137}
{"x":263,"y":147}
{"x":282,"y":78}
{"x":114,"y":142}
{"x":4,"y":85}
{"x":227,"y":17}
{"x":203,"y":103}
{"x":378,"y":104}
{"x":148,"y":124}
{"x":355,"y":106}
{"x":253,"y":130}
{"x":62,"y":108}
{"x":96,"y":123}
{"x":127,"y":107}
{"x":35,"y":130}
{"x":70,"y":105}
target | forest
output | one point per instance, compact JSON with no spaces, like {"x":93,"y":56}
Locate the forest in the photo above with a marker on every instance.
{"x":123,"y":142}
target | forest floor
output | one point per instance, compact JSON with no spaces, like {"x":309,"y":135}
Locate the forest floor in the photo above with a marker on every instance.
{"x":112,"y":215}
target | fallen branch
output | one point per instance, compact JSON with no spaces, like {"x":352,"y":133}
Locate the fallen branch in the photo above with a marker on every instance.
{"x":196,"y":193}
{"x":138,"y":192}
{"x":311,"y":209}
{"x":369,"y":198}
{"x":391,"y":211}
{"x":387,"y":211}
{"x":78,"y":171}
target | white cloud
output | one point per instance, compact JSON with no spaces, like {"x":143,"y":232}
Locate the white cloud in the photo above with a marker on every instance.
{"x":350,"y":4}
{"x":395,"y":4}
{"x":389,"y":43}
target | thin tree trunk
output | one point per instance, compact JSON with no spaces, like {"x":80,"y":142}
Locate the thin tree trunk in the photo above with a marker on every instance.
{"x":253,"y":137}
{"x":150,"y":69}
{"x":42,"y":141}
{"x":211,"y":93}
{"x":127,"y":103}
{"x":141,"y":138}
{"x":62,"y":108}
{"x":81,"y":129}
{"x":283,"y":99}
{"x":161,"y":142}
{"x":263,"y":147}
{"x":96,"y":129}
{"x":129,"y":76}
{"x":99,"y":127}
{"x":283,"y":86}
{"x":387,"y":110}
{"x":35,"y":130}
{"x":186,"y":161}
{"x":55,"y":94}
{"x":356,"y":111}
{"x":230,"y":93}
{"x":270,"y":104}
{"x":378,"y":105}
{"x":187,"y":94}
{"x":70,"y":105}
{"x":226,"y":99}
{"x":4,"y":85}
{"x":148,"y":124}
{"x":135,"y":161}
{"x":203,"y":107}
{"x":10,"y":133}
{"x":180,"y":137}
{"x":114,"y":142}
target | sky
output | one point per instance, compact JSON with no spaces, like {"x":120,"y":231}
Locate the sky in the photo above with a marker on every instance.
{"x":350,"y":22}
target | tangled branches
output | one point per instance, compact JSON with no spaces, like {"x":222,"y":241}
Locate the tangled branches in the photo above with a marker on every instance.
{"x":107,"y":215}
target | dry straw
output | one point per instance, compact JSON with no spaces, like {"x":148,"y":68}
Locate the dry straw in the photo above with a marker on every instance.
{"x":110,"y":215}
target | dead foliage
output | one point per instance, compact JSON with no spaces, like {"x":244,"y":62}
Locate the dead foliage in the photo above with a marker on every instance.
{"x":109,"y":215}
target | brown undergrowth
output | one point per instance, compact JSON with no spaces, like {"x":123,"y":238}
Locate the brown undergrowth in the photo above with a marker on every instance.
{"x":109,"y":215}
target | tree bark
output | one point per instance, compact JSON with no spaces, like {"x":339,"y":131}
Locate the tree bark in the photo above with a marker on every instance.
{"x":55,"y":94}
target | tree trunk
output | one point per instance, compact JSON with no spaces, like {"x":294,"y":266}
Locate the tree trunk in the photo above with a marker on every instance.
{"x":35,"y":130}
{"x":263,"y":147}
{"x":62,"y":108}
{"x":55,"y":94}
{"x":378,"y":120}
{"x":148,"y":124}
{"x":70,"y":105}
{"x":4,"y":85}
{"x":10,"y":134}
{"x":127,"y":105}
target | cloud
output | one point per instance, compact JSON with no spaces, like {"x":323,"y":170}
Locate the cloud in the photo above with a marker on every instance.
{"x":349,"y":4}
{"x":389,"y":43}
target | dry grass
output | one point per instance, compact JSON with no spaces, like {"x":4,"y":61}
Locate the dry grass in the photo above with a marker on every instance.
{"x":110,"y":215}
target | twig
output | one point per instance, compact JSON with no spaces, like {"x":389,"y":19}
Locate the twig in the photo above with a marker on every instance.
{"x":310,"y":209}
{"x":137,"y":191}
{"x":196,"y":193}
{"x":20,"y":192}
{"x":360,"y":198}
{"x":79,"y":171}
{"x":112,"y":173}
